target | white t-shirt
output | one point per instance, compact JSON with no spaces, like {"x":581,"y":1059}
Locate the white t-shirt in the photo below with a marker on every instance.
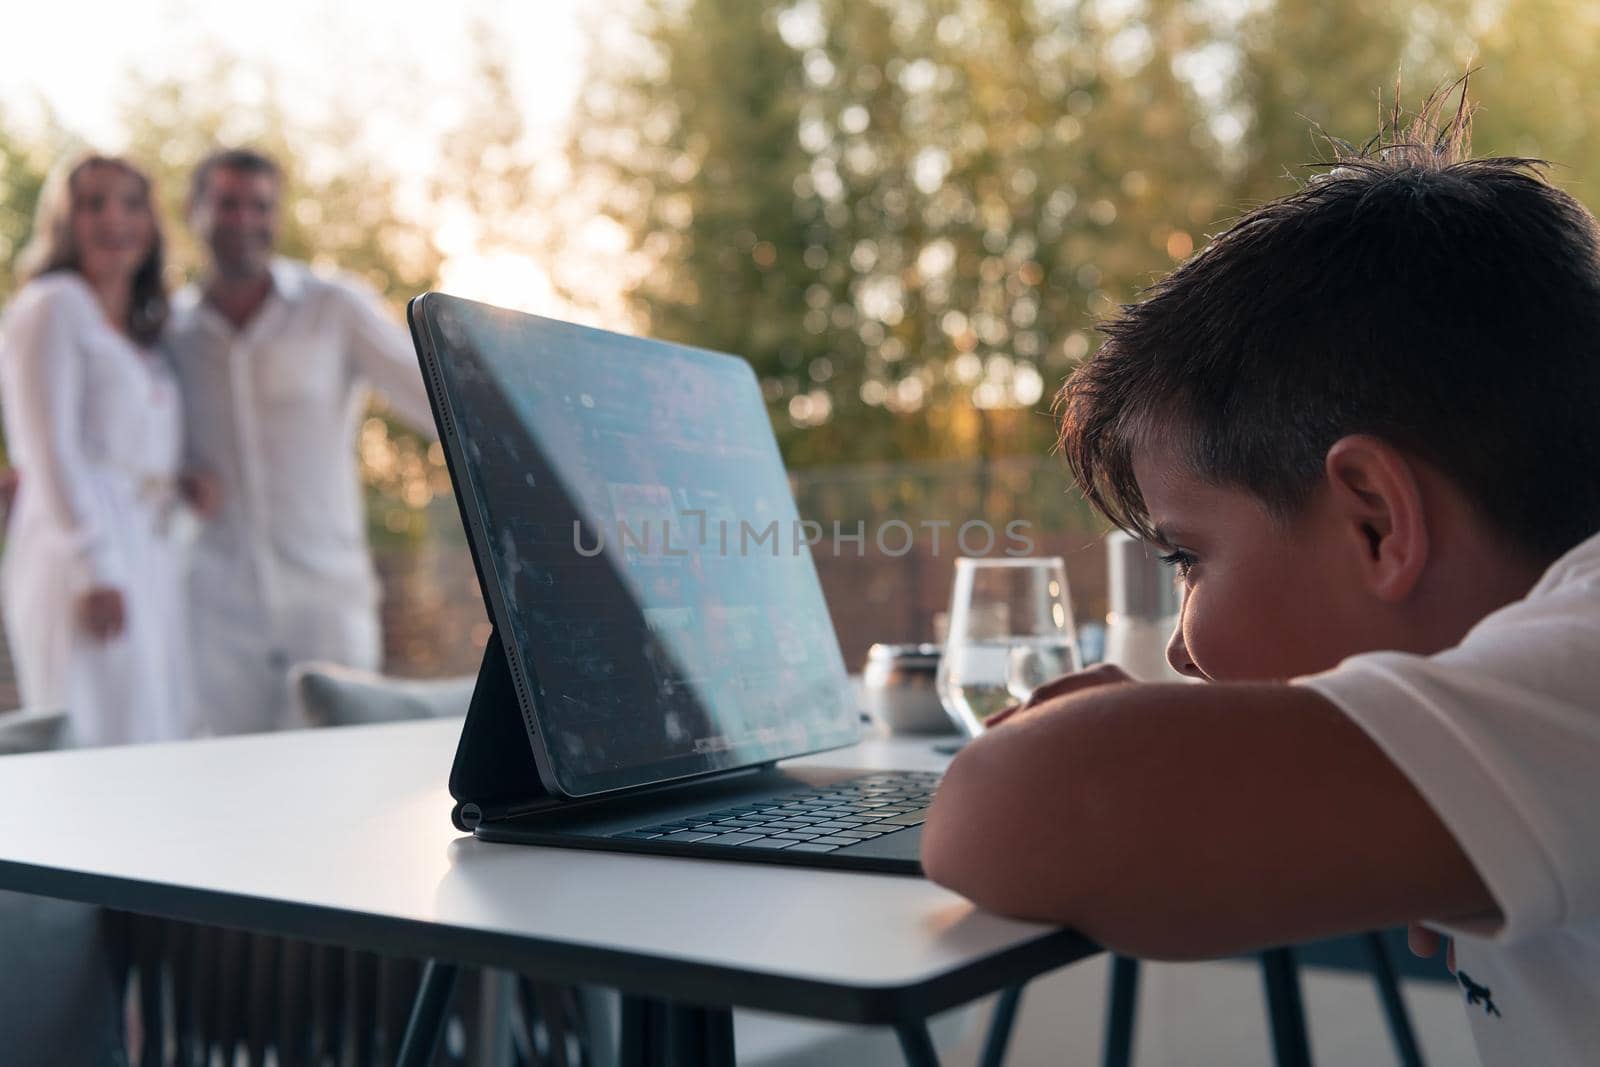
{"x":1501,"y":736}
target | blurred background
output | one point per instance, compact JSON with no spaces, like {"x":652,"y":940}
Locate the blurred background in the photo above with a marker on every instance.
{"x":907,"y":214}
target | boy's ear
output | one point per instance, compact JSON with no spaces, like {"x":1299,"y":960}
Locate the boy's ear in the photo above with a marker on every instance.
{"x":1374,"y":491}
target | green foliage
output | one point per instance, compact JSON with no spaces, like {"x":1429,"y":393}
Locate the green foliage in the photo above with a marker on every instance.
{"x":910,"y":214}
{"x":22,"y":171}
{"x":904,"y":215}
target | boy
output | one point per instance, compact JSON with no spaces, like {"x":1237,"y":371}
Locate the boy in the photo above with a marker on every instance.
{"x":1362,"y":424}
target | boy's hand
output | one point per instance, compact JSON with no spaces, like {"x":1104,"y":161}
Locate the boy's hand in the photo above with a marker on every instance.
{"x":1425,"y":943}
{"x":1067,"y":684}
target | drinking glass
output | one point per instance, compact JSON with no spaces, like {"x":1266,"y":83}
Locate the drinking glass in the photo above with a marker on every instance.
{"x":1011,"y":631}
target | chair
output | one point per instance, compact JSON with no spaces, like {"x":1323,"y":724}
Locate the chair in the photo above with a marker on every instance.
{"x":1281,"y":985}
{"x":58,"y":1001}
{"x":327,"y":694}
{"x":33,"y":731}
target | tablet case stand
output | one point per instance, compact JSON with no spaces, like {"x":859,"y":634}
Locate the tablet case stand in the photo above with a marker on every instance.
{"x":494,"y":773}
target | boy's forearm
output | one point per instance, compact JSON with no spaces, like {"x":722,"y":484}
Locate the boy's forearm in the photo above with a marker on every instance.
{"x":1188,"y":821}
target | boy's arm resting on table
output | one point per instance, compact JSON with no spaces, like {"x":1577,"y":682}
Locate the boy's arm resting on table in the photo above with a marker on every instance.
{"x":1187,"y":821}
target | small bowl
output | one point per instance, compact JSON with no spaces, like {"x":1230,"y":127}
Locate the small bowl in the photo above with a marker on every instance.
{"x":900,"y":691}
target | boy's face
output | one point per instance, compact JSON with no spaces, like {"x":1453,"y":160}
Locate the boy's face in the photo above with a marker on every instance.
{"x":1263,"y":600}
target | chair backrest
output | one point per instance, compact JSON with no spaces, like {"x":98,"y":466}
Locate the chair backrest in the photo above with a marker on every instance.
{"x":30,"y":730}
{"x":332,"y":695}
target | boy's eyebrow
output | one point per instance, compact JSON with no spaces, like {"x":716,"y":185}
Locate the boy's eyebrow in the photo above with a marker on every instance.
{"x":1166,"y":536}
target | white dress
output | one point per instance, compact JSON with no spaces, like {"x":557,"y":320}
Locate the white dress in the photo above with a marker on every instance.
{"x":94,"y":430}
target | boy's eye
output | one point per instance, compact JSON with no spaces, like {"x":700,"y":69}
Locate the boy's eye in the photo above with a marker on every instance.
{"x":1180,"y":561}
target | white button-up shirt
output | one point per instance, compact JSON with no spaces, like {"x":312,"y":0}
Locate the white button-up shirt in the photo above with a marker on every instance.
{"x":283,"y":573}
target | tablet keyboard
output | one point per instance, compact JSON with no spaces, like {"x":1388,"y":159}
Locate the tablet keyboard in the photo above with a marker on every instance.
{"x":820,"y":820}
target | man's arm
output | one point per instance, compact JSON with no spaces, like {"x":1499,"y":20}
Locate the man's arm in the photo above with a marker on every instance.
{"x":385,"y":358}
{"x":1186,"y":821}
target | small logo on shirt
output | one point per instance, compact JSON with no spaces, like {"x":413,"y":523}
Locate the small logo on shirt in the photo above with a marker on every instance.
{"x":1477,"y":994}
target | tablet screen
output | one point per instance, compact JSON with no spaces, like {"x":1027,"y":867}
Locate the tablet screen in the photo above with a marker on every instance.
{"x":637,"y":522}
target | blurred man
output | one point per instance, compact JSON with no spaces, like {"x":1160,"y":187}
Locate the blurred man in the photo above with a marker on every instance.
{"x":275,"y":364}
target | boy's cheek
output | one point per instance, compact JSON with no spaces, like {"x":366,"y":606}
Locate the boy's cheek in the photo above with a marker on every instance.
{"x":1224,"y":650}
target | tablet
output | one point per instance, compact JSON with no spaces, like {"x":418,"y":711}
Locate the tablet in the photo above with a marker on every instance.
{"x":638,"y":546}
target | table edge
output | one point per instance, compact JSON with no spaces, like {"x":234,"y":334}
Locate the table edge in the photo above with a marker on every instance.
{"x":672,"y":978}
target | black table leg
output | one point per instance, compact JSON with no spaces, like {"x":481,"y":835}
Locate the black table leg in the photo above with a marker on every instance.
{"x":427,"y":1015}
{"x":644,"y":1030}
{"x":917,"y":1044}
{"x":660,"y":1034}
{"x":1000,"y":1026}
{"x":1290,"y":1045}
{"x":1394,"y":1007}
{"x":699,"y":1036}
{"x":1121,"y":1010}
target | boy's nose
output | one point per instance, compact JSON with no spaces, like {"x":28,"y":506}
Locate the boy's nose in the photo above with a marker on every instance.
{"x":1178,"y":654}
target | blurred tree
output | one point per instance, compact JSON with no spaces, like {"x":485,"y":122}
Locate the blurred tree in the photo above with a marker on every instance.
{"x":895,"y":209}
{"x":1533,"y":63}
{"x":1536,"y":81}
{"x":339,"y":204}
{"x":23,"y":164}
{"x":909,"y":215}
{"x":24,"y":161}
{"x":1271,"y":117}
{"x":691,"y":149}
{"x":486,"y":177}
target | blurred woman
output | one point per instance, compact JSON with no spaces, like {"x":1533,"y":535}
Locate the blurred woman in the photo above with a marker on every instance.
{"x":90,"y":581}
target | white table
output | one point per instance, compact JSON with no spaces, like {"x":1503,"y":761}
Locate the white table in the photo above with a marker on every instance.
{"x":343,"y":836}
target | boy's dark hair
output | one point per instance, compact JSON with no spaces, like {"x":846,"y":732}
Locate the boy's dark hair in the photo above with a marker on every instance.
{"x":246,"y":159}
{"x":1447,"y":305}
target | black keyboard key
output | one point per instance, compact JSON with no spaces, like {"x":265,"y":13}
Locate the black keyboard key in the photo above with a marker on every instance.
{"x":797,"y":835}
{"x":732,"y":839}
{"x":872,"y":805}
{"x":812,"y":846}
{"x":770,"y":842}
{"x":859,"y":835}
{"x":840,"y":841}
